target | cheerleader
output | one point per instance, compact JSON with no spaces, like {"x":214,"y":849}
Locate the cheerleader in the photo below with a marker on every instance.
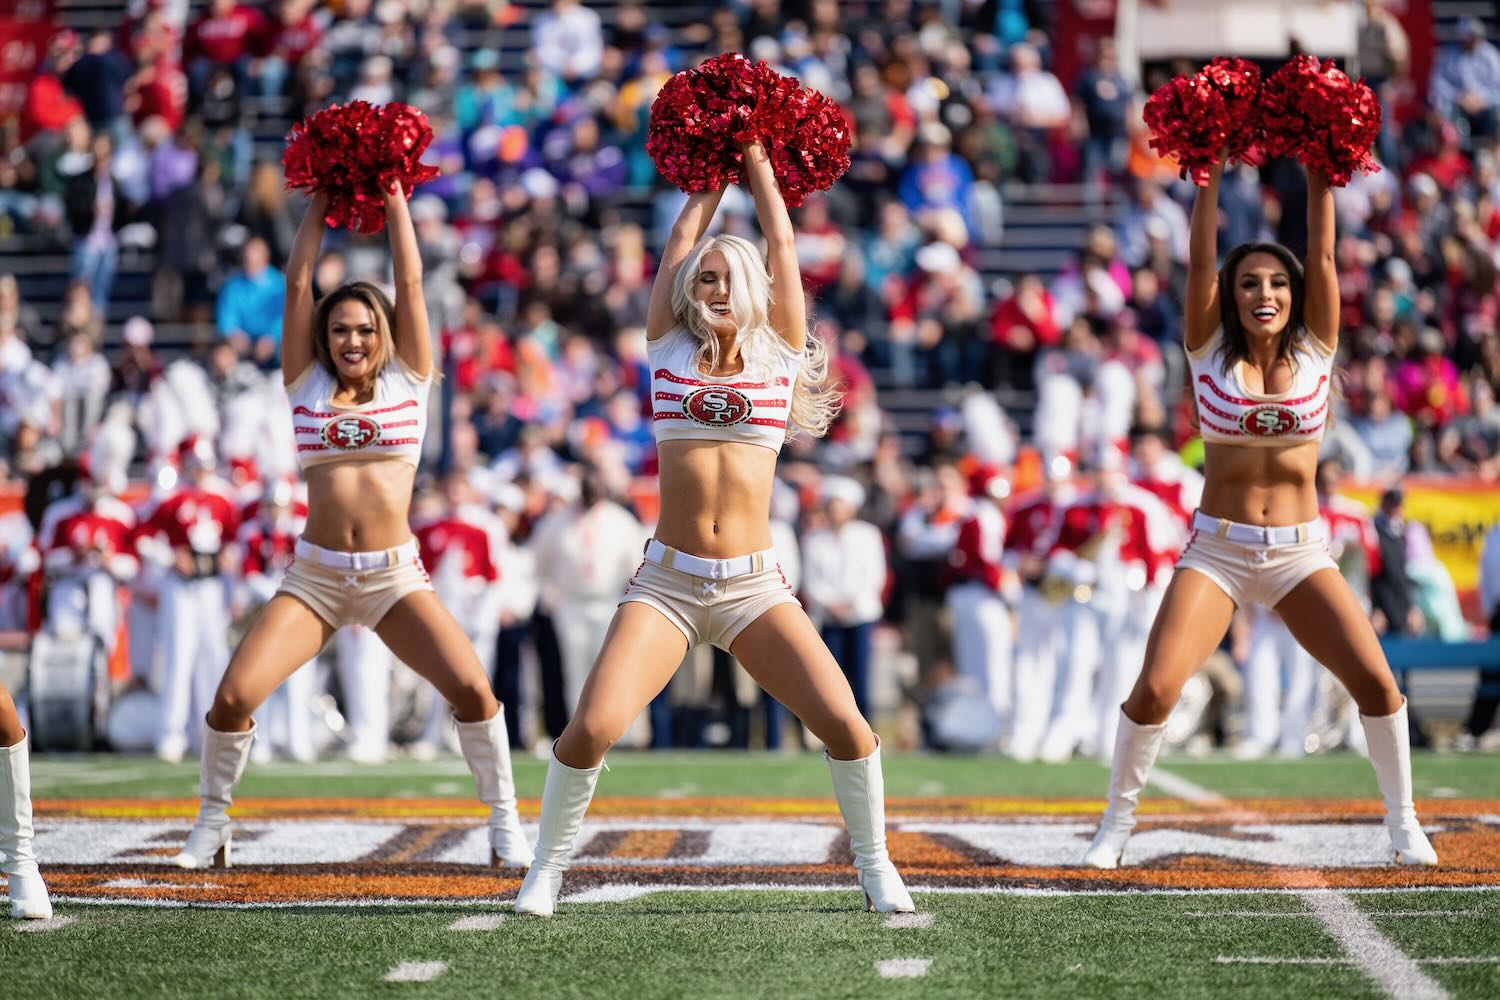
{"x":28,"y":893}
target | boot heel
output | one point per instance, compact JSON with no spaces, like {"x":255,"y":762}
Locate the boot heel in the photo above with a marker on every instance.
{"x":221,"y":856}
{"x":495,"y":861}
{"x":869,"y":904}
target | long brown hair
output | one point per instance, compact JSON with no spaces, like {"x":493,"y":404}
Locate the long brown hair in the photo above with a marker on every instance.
{"x":1233,"y":345}
{"x":372,"y":298}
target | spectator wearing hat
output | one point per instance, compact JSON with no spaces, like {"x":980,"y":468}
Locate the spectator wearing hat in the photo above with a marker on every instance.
{"x":1466,"y":79}
{"x":844,"y":569}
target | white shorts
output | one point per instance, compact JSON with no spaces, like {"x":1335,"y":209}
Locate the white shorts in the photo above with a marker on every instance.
{"x":709,"y":600}
{"x":1256,"y":565}
{"x":353,"y":588}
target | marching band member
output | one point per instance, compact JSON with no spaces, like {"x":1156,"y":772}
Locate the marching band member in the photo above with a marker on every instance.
{"x":1261,"y":334}
{"x":1032,"y":523}
{"x":189,"y":536}
{"x":358,"y":371}
{"x":734,"y":371}
{"x":982,"y":632}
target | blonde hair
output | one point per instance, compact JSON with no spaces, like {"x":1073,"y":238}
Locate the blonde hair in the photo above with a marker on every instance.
{"x":372,"y":298}
{"x":815,"y":402}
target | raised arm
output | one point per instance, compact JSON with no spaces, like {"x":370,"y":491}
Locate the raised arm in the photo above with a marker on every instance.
{"x":413,"y":340}
{"x":1201,"y":311}
{"x":1321,"y":309}
{"x":692,"y":222}
{"x":297,"y":314}
{"x":788,"y":303}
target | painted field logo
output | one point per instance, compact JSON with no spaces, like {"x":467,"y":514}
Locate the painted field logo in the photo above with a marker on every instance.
{"x":1269,"y":421}
{"x":351,"y":433}
{"x":716,"y":406}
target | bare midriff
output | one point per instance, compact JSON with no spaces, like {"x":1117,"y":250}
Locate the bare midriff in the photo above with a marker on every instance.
{"x":715,"y":497}
{"x":359,"y":506}
{"x":1263,"y":486}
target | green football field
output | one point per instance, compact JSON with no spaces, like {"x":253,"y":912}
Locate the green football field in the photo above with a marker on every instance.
{"x":708,"y":875}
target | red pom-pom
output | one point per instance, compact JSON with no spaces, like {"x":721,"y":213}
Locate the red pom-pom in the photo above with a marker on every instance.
{"x":354,"y":153}
{"x":1200,"y":119}
{"x":1313,"y":111}
{"x":702,"y":115}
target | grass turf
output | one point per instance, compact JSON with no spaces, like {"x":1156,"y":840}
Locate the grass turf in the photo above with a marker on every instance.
{"x":1339,"y":775}
{"x":743,"y":945}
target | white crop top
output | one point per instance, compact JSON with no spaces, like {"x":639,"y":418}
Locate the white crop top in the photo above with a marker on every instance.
{"x":389,"y":426}
{"x":685,"y":403}
{"x":1230,"y":413}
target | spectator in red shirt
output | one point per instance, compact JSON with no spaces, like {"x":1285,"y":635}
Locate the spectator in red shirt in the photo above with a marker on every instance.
{"x":1020,"y":326}
{"x":228,"y":33}
{"x":287,"y":40}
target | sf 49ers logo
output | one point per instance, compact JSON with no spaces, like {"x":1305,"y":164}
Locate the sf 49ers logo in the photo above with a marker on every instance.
{"x":716,"y":406}
{"x":1269,"y":421}
{"x":351,"y":433}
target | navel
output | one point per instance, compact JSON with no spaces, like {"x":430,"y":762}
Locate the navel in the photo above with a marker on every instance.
{"x":716,"y":527}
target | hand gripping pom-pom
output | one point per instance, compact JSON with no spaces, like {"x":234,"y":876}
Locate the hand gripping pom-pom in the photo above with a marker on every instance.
{"x":1200,"y":119}
{"x":354,"y":153}
{"x":1313,"y":111}
{"x":702,"y":115}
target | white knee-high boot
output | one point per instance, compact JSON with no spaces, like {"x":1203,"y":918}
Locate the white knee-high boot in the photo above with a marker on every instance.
{"x":28,"y":893}
{"x":1390,"y":752}
{"x":859,"y":786}
{"x":1136,"y":747}
{"x":224,"y":756}
{"x":486,"y":748}
{"x":565,"y":798}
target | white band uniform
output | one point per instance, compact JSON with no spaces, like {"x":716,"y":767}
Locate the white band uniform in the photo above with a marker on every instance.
{"x":1256,"y":564}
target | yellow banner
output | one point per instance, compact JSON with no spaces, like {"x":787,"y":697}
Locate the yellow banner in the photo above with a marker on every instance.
{"x":1456,"y":513}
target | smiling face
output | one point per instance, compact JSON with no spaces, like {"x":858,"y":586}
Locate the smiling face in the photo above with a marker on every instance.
{"x":1263,"y":295}
{"x":354,"y":342}
{"x":711,"y":287}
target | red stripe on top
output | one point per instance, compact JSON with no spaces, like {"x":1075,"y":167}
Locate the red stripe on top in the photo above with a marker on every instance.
{"x":663,"y":373}
{"x":1240,"y":401}
{"x":322,"y":415}
{"x":1227,"y":432}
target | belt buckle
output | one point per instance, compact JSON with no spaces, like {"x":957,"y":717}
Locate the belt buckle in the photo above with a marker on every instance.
{"x":720,"y":570}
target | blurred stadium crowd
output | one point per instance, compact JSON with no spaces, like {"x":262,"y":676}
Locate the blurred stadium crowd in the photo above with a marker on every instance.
{"x":990,"y":586}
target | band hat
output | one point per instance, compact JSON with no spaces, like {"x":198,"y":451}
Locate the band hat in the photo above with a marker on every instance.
{"x":845,"y":489}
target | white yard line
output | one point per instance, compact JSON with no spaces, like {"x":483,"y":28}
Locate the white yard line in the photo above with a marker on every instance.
{"x":42,"y":926}
{"x":629,"y":892}
{"x":903,"y":968}
{"x":416,"y":972}
{"x":1371,"y":951}
{"x":905,"y":921}
{"x":478,"y":922}
{"x":1293,"y":913}
{"x":1274,"y":960}
{"x":1178,"y":786}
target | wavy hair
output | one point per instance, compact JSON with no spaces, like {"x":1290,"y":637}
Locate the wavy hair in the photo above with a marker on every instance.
{"x":372,"y":298}
{"x":1233,"y":345}
{"x":815,"y":401}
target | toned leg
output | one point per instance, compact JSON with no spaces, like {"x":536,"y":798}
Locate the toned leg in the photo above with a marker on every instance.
{"x":11,"y":732}
{"x":426,"y":637}
{"x":1324,"y":616}
{"x":1326,"y":619}
{"x":422,"y":633}
{"x":641,"y":651}
{"x":28,"y":893}
{"x":1194,"y":616}
{"x":786,"y":656}
{"x":286,"y":634}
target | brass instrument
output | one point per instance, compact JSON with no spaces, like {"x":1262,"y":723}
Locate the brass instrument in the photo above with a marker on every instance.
{"x":1056,"y":589}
